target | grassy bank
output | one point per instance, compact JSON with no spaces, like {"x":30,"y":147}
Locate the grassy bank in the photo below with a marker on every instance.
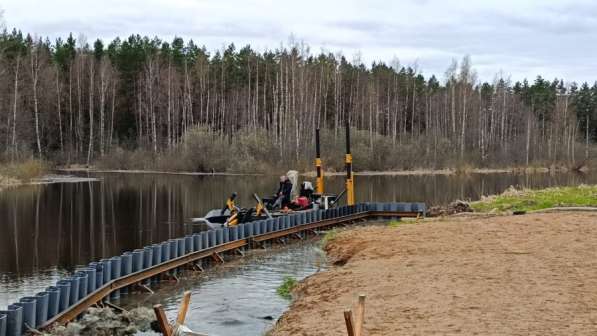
{"x":529,"y":200}
{"x":17,"y":173}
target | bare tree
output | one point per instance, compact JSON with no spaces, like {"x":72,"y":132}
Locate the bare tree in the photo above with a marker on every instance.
{"x":2,"y":20}
{"x":34,"y":55}
{"x":104,"y":83}
{"x":59,"y":106}
{"x":91,"y":106}
{"x":14,"y":106}
{"x":154,"y":99}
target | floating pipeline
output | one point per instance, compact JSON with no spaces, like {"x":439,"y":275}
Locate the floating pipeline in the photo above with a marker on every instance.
{"x":110,"y":278}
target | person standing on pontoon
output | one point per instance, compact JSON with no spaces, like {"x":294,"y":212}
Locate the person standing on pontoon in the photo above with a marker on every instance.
{"x":283,"y":193}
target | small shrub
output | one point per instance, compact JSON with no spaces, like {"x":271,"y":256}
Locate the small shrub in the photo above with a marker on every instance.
{"x":395,"y":223}
{"x":30,"y":169}
{"x":329,"y":236}
{"x":285,"y":289}
{"x":118,"y":158}
{"x":402,"y":221}
{"x":24,"y":171}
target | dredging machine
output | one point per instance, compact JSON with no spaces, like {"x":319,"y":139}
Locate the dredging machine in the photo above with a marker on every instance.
{"x":272,"y":206}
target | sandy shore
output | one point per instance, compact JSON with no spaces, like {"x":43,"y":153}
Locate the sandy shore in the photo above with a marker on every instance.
{"x":506,"y":275}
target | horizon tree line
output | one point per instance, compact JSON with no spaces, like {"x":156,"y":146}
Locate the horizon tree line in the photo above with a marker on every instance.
{"x":70,"y":101}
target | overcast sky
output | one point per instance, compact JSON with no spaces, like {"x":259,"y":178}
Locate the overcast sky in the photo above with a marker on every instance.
{"x":521,"y":38}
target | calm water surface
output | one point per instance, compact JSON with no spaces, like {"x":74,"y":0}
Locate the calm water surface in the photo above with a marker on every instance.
{"x":239,"y":297}
{"x":47,"y":230}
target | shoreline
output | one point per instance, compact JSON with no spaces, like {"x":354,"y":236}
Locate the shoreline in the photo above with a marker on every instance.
{"x":10,"y":183}
{"x":417,"y":281}
{"x":6,"y":184}
{"x":454,"y":171}
{"x":416,"y":172}
{"x":156,"y":172}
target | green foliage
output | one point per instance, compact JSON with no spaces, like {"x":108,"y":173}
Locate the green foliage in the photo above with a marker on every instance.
{"x":540,"y":97}
{"x":395,"y":223}
{"x":64,"y":52}
{"x":285,"y":289}
{"x":528,"y":200}
{"x":98,"y":49}
{"x":401,"y":222}
{"x":585,"y":103}
{"x":329,"y":236}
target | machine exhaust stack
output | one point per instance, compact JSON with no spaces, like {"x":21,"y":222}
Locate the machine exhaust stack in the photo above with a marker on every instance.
{"x":349,"y":174}
{"x":319,"y":181}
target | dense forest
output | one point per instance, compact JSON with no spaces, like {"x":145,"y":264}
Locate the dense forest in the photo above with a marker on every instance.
{"x":143,"y":102}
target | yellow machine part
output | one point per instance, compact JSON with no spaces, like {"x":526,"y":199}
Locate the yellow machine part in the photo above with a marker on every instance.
{"x":319,"y":181}
{"x":233,"y":219}
{"x":230,"y":205}
{"x":350,"y":199}
{"x":258,"y":209}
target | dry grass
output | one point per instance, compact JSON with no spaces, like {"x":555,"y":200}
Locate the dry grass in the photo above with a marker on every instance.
{"x":15,"y":173}
{"x":203,"y":150}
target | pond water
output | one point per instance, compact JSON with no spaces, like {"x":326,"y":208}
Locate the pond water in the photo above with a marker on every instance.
{"x":47,"y":230}
{"x":238,"y":297}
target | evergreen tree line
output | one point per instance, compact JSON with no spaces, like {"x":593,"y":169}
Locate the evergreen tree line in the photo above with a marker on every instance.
{"x":71,"y":101}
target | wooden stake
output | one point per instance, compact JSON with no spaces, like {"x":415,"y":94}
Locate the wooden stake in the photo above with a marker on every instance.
{"x":145,"y":288}
{"x":349,"y":324}
{"x":113,"y":306}
{"x":162,"y":320}
{"x":200,"y":267}
{"x":184,"y":307}
{"x":217,"y":257}
{"x":32,"y":330}
{"x":360,"y":316}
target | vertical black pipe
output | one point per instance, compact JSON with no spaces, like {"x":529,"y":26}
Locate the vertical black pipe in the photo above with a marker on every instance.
{"x":347,"y":138}
{"x":348,"y":162}
{"x":317,"y":146}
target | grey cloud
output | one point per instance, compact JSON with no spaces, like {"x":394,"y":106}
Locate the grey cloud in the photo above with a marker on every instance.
{"x":521,"y":38}
{"x":556,"y":23}
{"x":360,"y":25}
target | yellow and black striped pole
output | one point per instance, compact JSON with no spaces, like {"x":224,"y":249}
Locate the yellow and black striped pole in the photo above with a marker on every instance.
{"x":319,"y":181}
{"x":349,"y":174}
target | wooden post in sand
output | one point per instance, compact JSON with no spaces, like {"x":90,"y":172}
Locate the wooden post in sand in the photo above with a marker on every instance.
{"x":360,"y":316}
{"x":165,"y":326}
{"x":349,"y":324}
{"x":354,"y":325}
{"x":162,"y":320}
{"x":184,"y":307}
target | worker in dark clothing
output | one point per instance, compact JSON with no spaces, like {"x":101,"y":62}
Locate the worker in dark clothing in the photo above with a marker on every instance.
{"x":306,"y":189}
{"x":283,"y":193}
